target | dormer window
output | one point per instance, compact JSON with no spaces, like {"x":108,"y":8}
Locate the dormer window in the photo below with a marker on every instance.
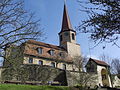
{"x":73,"y":36}
{"x":40,"y":50}
{"x":51,"y":52}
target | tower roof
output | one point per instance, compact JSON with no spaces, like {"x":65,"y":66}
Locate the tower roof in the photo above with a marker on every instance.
{"x":66,"y":24}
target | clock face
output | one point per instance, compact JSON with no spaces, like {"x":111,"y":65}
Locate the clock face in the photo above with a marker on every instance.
{"x":66,"y":34}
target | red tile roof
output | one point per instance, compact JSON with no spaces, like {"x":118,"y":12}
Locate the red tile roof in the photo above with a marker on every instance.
{"x":31,"y":47}
{"x":99,"y":62}
{"x":45,"y":45}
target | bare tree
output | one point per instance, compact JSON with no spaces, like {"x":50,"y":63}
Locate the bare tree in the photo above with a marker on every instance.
{"x":104,"y":20}
{"x":116,"y":65}
{"x":81,"y":77}
{"x":113,"y":62}
{"x":16,"y":24}
{"x":13,"y":65}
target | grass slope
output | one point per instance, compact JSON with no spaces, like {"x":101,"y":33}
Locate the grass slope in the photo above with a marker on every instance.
{"x":31,"y":87}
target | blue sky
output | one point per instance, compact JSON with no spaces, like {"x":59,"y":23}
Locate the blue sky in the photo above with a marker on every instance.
{"x":50,"y":12}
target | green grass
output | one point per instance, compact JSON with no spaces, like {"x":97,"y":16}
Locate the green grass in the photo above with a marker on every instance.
{"x":31,"y":87}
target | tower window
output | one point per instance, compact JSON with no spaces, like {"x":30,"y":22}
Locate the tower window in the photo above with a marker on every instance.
{"x":52,"y":64}
{"x":61,"y":54}
{"x":73,"y":36}
{"x":61,"y":38}
{"x":30,"y":60}
{"x":40,"y":50}
{"x":40,"y":62}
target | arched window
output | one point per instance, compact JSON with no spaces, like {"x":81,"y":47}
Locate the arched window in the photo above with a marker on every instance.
{"x":73,"y":36}
{"x":30,"y":60}
{"x":64,"y":66}
{"x":40,"y":62}
{"x":61,"y":38}
{"x":52,"y":64}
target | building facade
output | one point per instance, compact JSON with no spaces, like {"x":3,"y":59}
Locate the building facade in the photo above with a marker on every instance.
{"x":102,"y":70}
{"x":41,"y":57}
{"x":61,"y":57}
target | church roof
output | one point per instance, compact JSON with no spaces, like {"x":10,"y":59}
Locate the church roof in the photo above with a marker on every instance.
{"x":45,"y":44}
{"x":66,"y":24}
{"x":99,"y":62}
{"x":31,"y":48}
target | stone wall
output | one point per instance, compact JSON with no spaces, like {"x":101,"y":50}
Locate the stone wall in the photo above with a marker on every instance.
{"x":1,"y":69}
{"x":43,"y":74}
{"x":81,"y":78}
{"x":116,"y":81}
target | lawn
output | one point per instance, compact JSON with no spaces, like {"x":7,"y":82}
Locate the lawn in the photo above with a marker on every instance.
{"x":31,"y":87}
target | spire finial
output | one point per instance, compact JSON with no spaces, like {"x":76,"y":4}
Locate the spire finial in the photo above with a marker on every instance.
{"x":64,"y":1}
{"x":66,"y":24}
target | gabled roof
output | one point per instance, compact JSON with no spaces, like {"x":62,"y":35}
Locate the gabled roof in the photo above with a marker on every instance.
{"x":45,"y":45}
{"x":98,"y":62}
{"x":31,"y":49}
{"x":66,"y":24}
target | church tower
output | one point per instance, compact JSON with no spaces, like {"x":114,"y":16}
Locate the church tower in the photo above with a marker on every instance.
{"x":67,"y":36}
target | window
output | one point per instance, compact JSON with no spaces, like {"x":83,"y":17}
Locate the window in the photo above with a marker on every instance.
{"x":73,"y":36}
{"x":64,"y":66}
{"x":30,"y":60}
{"x":52,"y":52}
{"x":62,"y":54}
{"x":40,"y":62}
{"x":40,"y":50}
{"x":61,"y":38}
{"x":52,"y":64}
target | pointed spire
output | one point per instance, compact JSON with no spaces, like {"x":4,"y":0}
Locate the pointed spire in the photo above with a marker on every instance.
{"x":66,"y":24}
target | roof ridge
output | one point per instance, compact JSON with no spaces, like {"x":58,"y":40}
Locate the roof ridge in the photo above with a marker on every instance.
{"x":99,"y":62}
{"x":45,"y":44}
{"x":42,"y":42}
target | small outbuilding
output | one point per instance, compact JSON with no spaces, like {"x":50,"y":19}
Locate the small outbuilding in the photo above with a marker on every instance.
{"x":101,"y":69}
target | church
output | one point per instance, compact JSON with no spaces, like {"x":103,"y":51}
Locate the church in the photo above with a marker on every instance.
{"x":56,"y":56}
{"x":60,"y":58}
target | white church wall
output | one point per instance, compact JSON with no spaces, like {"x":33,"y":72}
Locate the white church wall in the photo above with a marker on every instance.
{"x":73,"y":49}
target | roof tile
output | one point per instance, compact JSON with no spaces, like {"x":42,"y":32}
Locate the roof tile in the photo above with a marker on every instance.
{"x":99,"y":62}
